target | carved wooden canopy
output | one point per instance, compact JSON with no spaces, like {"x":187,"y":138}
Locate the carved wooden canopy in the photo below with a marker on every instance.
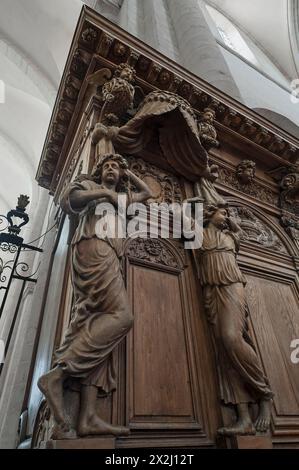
{"x":98,"y":43}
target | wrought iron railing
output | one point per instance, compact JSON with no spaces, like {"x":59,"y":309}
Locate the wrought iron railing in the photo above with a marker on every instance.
{"x":12,"y":244}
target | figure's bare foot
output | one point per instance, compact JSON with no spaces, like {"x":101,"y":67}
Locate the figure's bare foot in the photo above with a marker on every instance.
{"x":263,"y":420}
{"x":93,"y":425}
{"x":51,"y":384}
{"x":63,"y":431}
{"x":241,"y":428}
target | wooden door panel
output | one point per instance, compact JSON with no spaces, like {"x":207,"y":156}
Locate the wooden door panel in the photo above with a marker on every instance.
{"x":167,"y":348}
{"x":161,"y":370}
{"x":275,"y":319}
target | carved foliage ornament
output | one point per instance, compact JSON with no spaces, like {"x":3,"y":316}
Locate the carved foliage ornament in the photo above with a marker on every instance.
{"x":252,"y":188}
{"x":153,"y":251}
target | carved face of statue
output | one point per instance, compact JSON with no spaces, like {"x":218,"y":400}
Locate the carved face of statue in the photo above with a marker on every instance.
{"x":126,"y":74}
{"x":246,"y":172}
{"x":214,"y":175}
{"x":219,"y":218}
{"x":208,"y":117}
{"x":111,"y":172}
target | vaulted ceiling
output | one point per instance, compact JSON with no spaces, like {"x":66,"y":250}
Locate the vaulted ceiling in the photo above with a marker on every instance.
{"x":272,"y":24}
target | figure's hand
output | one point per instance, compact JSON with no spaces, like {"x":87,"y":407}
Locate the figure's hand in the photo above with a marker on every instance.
{"x":128,"y":173}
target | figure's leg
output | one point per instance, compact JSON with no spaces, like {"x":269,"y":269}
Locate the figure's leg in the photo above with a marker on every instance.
{"x":263,"y":420}
{"x":51,"y":384}
{"x":243,"y":426}
{"x":89,"y":422}
{"x":242,"y":355}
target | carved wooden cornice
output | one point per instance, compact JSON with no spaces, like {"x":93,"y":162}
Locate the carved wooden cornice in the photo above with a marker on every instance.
{"x":99,"y":43}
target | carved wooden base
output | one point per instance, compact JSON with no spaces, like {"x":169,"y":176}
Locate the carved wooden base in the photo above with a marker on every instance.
{"x":252,"y":442}
{"x":85,"y":443}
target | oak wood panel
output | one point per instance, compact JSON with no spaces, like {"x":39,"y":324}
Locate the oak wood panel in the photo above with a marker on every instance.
{"x":275,"y":316}
{"x":161,"y":370}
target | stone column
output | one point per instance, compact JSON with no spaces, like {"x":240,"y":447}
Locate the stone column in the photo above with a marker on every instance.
{"x":149,"y":20}
{"x":131,"y":16}
{"x":198,"y":48}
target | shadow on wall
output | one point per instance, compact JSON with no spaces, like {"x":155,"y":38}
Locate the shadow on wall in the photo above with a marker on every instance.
{"x":280,"y":120}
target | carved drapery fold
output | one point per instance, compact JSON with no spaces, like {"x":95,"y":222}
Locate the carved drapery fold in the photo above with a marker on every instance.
{"x":178,"y":135}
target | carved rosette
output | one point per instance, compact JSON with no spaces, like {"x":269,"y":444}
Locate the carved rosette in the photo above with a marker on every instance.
{"x":153,"y":251}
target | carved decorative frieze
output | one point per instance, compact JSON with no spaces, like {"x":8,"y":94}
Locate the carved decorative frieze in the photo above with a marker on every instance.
{"x":119,"y":49}
{"x":89,"y":36}
{"x":153,"y":251}
{"x":256,"y":231}
{"x":253,"y":188}
{"x":105,"y":45}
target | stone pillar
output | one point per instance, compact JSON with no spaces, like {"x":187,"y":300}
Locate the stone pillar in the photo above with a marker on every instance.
{"x":158,"y":30}
{"x":198,"y":48}
{"x":131,"y":16}
{"x":149,"y":20}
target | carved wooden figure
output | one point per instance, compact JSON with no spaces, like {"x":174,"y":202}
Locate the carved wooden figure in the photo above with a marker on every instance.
{"x":240,"y":373}
{"x":207,"y":131}
{"x":101,"y":315}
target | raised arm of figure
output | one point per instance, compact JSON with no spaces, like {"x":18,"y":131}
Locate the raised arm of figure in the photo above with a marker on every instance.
{"x":80,"y":198}
{"x":233,"y":226}
{"x":144,"y":192}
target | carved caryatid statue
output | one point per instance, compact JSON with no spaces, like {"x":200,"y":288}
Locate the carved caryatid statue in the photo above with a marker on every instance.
{"x":242,"y":380}
{"x":101,"y":317}
{"x":241,"y":377}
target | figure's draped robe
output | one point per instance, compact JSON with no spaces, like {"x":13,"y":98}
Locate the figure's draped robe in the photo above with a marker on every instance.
{"x":240,"y":373}
{"x":101,"y":316}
